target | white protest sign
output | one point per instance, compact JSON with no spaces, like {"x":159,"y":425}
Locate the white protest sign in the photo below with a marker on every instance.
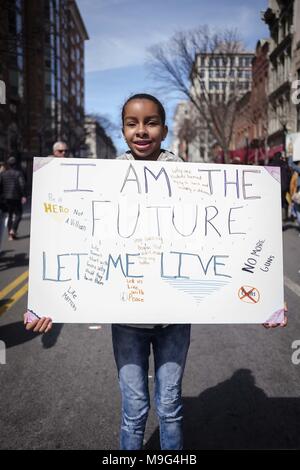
{"x":155,"y":242}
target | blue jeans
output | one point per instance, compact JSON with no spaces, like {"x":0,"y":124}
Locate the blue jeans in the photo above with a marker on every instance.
{"x":132,"y":349}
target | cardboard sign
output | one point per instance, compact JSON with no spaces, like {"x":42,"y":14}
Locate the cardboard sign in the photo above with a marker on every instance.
{"x":120,"y":241}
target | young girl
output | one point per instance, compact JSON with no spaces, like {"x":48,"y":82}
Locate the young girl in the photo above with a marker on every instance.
{"x":144,"y":129}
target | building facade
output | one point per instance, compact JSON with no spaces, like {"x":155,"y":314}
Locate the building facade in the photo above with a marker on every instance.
{"x":280,"y":19}
{"x":296,"y":68}
{"x":42,"y":65}
{"x":97,"y":143}
{"x":250,"y":132}
{"x":218,"y":77}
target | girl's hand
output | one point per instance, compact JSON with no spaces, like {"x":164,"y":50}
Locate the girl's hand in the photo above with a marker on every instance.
{"x":274,"y":325}
{"x":282,"y":324}
{"x":41,"y":325}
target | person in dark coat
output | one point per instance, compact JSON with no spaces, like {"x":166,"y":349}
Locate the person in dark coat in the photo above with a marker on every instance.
{"x":13,"y":193}
{"x":285,"y":174}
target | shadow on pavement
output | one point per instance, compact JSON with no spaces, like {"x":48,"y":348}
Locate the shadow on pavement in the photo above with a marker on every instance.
{"x":16,"y":260}
{"x":290,"y":225}
{"x":50,"y":338}
{"x":14,"y":334}
{"x":236,"y":414}
{"x":22,"y":237}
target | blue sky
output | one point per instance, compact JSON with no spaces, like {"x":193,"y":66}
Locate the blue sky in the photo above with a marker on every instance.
{"x":121,"y":31}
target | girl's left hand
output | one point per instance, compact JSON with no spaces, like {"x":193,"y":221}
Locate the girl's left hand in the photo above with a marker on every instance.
{"x":282,"y":324}
{"x":274,"y":325}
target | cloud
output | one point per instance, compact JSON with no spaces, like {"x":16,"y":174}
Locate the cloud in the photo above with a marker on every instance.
{"x":104,"y":53}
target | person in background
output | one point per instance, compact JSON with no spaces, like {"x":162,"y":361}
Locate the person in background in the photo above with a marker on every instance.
{"x":13,"y":193}
{"x":60,"y":149}
{"x":295,"y":192}
{"x":2,"y":167}
{"x":281,"y":161}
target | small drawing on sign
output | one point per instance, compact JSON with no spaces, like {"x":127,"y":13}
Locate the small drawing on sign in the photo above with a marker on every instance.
{"x":249,"y":294}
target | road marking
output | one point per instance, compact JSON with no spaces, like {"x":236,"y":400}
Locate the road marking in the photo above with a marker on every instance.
{"x":9,"y":302}
{"x":292,"y":286}
{"x":13,"y":284}
{"x":12,"y":300}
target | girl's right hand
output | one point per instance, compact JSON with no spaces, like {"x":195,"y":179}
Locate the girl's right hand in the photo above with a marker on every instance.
{"x":42,"y":325}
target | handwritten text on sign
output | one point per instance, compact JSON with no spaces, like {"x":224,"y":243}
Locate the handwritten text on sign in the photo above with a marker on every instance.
{"x":155,"y":242}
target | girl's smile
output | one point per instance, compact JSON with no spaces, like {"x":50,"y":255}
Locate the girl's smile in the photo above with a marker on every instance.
{"x":143,"y":129}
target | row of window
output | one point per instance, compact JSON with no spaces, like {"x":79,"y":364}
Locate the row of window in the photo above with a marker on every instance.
{"x":247,"y":74}
{"x":233,"y":85}
{"x":240,"y":61}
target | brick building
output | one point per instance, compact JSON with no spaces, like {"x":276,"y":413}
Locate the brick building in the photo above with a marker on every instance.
{"x":249,"y":140}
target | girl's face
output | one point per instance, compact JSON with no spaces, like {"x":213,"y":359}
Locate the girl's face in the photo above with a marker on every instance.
{"x":143,"y":129}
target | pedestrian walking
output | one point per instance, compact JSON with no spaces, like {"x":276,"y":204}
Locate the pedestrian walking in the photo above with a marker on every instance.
{"x":144,"y":129}
{"x":13,"y":193}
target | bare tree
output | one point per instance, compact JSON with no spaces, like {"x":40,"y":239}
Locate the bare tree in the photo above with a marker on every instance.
{"x":175,"y":66}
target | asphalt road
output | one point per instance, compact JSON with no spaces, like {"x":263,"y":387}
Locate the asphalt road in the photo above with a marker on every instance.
{"x":60,"y":390}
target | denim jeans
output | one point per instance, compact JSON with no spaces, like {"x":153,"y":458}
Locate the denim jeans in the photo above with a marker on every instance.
{"x":132,"y":349}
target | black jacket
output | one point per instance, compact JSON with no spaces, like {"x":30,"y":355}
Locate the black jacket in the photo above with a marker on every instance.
{"x":12,"y":185}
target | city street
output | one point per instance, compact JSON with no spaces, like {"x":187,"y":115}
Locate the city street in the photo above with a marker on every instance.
{"x":60,"y":390}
